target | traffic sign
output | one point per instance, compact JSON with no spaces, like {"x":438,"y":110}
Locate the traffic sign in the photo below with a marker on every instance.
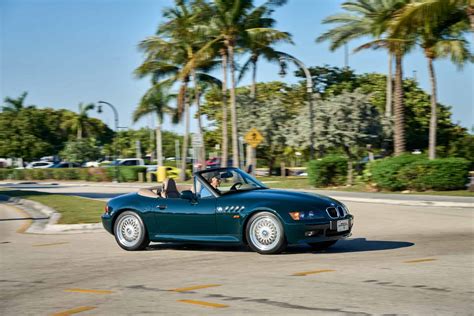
{"x":197,"y":141}
{"x":253,"y":137}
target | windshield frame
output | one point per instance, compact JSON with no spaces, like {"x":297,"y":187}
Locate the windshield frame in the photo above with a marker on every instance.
{"x":243,"y":174}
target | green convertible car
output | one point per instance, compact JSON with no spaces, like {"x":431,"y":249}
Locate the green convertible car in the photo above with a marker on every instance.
{"x":226,"y":205}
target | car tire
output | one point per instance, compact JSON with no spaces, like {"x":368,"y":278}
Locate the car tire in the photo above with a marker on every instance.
{"x":265,"y":233}
{"x":322,"y":245}
{"x":130,"y":232}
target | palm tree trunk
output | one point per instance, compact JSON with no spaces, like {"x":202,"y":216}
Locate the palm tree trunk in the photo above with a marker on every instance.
{"x":388,"y":104}
{"x":250,"y":149}
{"x":233,"y":109}
{"x":225,"y":138}
{"x":159,"y":146}
{"x":253,"y":92}
{"x":433,"y":118}
{"x":184,"y":152}
{"x":399,"y":130}
{"x":197,"y":96}
{"x":79,"y":132}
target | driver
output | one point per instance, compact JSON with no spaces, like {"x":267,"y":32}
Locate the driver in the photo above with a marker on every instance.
{"x":215,"y":182}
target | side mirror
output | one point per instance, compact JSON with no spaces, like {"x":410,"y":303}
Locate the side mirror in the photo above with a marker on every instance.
{"x":187,"y":195}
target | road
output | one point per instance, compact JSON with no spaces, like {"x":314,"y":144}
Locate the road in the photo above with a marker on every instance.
{"x":400,"y":260}
{"x":109,"y":190}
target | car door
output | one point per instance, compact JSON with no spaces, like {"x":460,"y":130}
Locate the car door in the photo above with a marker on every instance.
{"x":186,"y":217}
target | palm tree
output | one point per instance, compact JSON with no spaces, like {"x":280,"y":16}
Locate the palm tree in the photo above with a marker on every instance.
{"x":156,"y":100}
{"x":440,"y":35}
{"x":15,"y":105}
{"x":260,"y":45}
{"x":228,"y":23}
{"x":434,"y":11}
{"x":163,"y":62}
{"x":372,"y":18}
{"x":171,"y":54}
{"x":79,"y":122}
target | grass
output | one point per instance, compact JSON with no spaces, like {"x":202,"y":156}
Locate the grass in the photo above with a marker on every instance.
{"x":73,"y":209}
{"x":302,"y":183}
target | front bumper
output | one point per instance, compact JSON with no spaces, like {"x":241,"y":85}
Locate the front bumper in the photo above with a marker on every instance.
{"x":301,"y":232}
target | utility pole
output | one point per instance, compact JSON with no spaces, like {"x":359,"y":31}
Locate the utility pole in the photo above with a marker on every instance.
{"x":116,"y":119}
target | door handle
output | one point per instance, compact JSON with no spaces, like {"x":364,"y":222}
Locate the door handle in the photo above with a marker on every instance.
{"x":161,"y":207}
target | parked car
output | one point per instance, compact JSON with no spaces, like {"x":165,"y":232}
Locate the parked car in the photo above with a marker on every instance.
{"x":128,"y":162}
{"x":241,"y":210}
{"x":38,"y":164}
{"x":215,"y":162}
{"x":171,"y":172}
{"x":65,"y":164}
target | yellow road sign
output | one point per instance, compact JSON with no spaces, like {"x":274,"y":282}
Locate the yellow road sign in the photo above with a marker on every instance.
{"x":253,"y":137}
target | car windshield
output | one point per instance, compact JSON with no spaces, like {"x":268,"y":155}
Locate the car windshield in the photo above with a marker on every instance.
{"x":228,"y":180}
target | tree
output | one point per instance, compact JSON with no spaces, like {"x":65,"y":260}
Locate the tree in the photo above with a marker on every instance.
{"x":171,"y":55}
{"x":348,"y":121}
{"x":275,"y":110}
{"x":15,"y":105}
{"x":440,"y":35}
{"x":260,"y":45}
{"x":81,"y":150}
{"x":372,"y":18}
{"x":433,"y":11}
{"x":126,"y":143}
{"x":230,"y":23}
{"x":156,"y":100}
{"x":79,"y":122}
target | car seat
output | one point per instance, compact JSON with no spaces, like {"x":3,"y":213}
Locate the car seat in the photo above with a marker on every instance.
{"x":170,"y":190}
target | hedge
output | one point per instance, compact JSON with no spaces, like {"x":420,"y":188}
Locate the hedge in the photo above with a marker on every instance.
{"x":5,"y":174}
{"x":384,"y":172}
{"x":126,"y":174}
{"x":329,"y":171}
{"x":439,"y":174}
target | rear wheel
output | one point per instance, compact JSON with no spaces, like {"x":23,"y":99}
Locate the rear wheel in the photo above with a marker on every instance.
{"x":265,"y":234}
{"x":130,"y":232}
{"x":322,"y":245}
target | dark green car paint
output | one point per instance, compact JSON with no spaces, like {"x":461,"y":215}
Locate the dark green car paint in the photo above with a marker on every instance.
{"x":223,"y":218}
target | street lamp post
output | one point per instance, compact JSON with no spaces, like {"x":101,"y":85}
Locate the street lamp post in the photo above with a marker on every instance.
{"x":309,"y":91}
{"x":116,"y":118}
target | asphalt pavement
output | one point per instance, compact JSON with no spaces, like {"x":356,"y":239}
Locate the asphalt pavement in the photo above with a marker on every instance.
{"x":400,"y":260}
{"x":109,"y":190}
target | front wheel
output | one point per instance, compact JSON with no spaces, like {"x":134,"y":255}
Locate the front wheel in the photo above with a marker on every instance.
{"x":130,"y":232}
{"x":265,"y":234}
{"x":322,"y":245}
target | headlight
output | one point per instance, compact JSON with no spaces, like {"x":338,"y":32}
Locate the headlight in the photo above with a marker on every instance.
{"x":306,"y":215}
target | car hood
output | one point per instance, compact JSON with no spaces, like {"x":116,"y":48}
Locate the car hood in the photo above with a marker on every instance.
{"x":305,"y":198}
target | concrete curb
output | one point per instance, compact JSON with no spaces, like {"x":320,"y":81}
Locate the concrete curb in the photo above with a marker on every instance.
{"x":49,"y":224}
{"x":407,"y":203}
{"x":378,"y":200}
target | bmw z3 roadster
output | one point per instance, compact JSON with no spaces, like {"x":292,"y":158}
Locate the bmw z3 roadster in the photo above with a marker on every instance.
{"x":226,"y":205}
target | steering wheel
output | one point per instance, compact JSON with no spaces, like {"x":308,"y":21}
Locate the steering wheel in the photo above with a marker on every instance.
{"x":234,"y":186}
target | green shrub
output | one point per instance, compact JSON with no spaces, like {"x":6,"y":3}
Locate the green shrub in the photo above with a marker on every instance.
{"x":329,"y":171}
{"x":439,"y":174}
{"x":384,"y":172}
{"x":5,"y":173}
{"x":126,"y":174}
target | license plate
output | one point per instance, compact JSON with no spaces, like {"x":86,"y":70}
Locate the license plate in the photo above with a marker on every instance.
{"x":342,"y":225}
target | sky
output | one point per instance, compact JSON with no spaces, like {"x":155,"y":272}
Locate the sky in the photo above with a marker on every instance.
{"x":63,"y":52}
